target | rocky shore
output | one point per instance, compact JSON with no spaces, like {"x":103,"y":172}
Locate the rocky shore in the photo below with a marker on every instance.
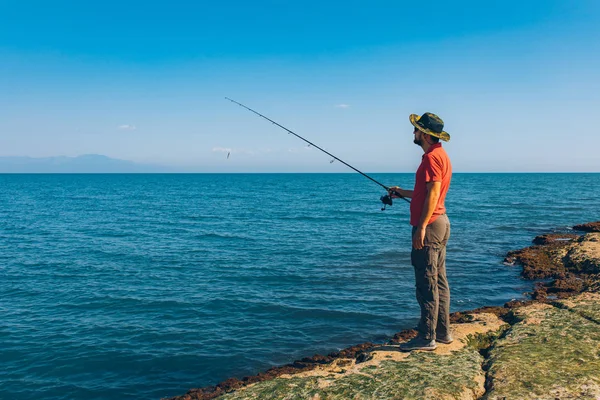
{"x":547,"y":347}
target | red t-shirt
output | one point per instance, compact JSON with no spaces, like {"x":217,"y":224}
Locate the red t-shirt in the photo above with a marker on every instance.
{"x":435,"y":167}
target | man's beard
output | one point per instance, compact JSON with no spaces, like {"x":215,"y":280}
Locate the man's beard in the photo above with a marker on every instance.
{"x":418,"y":142}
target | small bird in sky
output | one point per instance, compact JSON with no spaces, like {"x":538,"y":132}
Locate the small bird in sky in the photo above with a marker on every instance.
{"x":228,"y":155}
{"x":331,"y":162}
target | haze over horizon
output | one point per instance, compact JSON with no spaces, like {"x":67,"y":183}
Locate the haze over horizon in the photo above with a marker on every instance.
{"x":517,"y":83}
{"x":98,"y":163}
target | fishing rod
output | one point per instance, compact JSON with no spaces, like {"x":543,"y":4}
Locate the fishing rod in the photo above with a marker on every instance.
{"x":386,"y":199}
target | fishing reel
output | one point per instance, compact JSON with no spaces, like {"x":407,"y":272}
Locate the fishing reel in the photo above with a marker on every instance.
{"x":386,"y":200}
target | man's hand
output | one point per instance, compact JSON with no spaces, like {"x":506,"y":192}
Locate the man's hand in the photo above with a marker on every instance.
{"x":418,"y":239}
{"x":394,"y":192}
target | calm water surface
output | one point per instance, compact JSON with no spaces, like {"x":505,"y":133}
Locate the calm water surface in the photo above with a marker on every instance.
{"x":143,"y":286}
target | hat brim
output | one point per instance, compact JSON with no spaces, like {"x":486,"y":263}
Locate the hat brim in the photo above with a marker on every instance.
{"x":445,"y":136}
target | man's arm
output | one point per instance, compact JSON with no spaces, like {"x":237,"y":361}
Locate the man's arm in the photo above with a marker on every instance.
{"x":431,"y":200}
{"x":396,"y":192}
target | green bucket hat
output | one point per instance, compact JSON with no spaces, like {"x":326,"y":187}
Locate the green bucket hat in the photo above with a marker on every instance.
{"x":430,"y":124}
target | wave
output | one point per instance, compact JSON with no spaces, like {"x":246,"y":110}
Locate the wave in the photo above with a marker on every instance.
{"x":227,"y":236}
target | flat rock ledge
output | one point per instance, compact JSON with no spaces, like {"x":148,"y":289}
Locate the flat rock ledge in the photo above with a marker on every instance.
{"x":544,"y":348}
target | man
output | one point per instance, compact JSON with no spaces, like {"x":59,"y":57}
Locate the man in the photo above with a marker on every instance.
{"x":430,"y":233}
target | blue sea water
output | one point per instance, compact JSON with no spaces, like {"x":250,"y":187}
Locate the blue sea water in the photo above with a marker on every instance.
{"x":143,"y":286}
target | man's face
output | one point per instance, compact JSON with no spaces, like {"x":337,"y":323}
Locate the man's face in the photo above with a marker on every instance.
{"x":418,"y":137}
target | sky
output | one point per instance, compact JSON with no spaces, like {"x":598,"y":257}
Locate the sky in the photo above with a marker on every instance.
{"x":517,"y":83}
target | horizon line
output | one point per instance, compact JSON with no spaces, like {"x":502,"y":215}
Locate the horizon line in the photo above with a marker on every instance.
{"x":289,"y":173}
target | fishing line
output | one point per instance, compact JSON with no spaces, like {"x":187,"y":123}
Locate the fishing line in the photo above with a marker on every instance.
{"x":386,"y":199}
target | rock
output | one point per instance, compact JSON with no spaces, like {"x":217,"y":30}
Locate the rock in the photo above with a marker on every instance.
{"x":571,"y":262}
{"x":586,"y":304}
{"x":549,"y":353}
{"x":589,"y":227}
{"x":584,"y":256}
{"x":403,"y":336}
{"x":540,"y":261}
{"x":364,"y":357}
{"x":451,"y":372}
{"x":554,"y":238}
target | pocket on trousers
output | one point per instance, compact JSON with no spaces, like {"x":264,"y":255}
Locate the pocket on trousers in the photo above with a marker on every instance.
{"x":431,"y":260}
{"x":424,"y":261}
{"x":416,"y":258}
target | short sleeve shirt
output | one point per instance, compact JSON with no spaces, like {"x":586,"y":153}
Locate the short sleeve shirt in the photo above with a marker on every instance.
{"x":435,"y":167}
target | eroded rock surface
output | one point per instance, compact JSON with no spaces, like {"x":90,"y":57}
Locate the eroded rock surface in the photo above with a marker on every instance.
{"x":543,"y":260}
{"x":584,"y":255}
{"x":589,"y":227}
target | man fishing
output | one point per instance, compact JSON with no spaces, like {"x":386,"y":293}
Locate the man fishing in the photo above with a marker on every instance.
{"x":431,"y":227}
{"x":430,"y":233}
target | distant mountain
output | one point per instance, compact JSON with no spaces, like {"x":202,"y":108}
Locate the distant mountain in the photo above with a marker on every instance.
{"x":88,"y":163}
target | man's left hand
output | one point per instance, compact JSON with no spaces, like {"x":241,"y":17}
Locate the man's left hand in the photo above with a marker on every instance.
{"x":418,"y":240}
{"x":394,"y":192}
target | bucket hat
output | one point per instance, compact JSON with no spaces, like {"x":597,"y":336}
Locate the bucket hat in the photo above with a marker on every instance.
{"x":430,"y":124}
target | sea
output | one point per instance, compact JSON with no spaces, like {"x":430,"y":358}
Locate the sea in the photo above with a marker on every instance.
{"x":131,"y":286}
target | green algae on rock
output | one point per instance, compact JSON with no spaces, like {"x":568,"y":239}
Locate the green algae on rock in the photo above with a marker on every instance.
{"x":586,"y":304}
{"x":551,"y":353}
{"x":419,"y":376}
{"x":451,"y":372}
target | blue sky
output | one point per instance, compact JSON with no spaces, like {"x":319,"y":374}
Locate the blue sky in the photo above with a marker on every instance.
{"x":516,"y":82}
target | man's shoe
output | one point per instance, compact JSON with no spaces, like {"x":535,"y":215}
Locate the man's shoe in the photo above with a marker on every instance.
{"x":418,"y":343}
{"x":445,"y":339}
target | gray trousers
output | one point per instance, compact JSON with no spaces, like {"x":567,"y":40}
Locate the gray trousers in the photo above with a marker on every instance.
{"x":433,"y":292}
